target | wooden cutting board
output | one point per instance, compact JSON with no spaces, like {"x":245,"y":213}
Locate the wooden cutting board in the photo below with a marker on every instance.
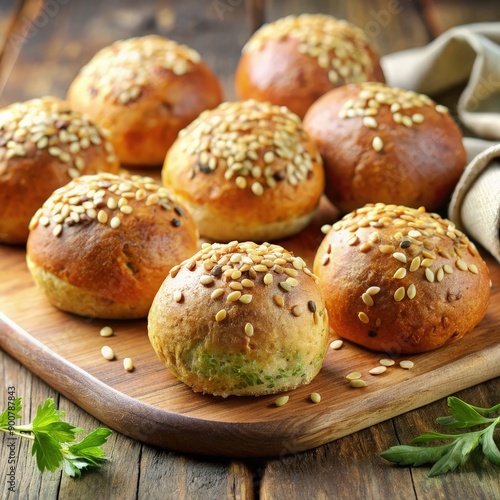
{"x":150,"y":405}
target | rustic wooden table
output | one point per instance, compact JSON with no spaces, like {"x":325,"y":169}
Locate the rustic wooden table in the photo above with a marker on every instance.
{"x":42,"y":46}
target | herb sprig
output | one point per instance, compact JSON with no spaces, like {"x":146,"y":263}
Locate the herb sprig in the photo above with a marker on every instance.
{"x":54,"y":440}
{"x":448,"y":457}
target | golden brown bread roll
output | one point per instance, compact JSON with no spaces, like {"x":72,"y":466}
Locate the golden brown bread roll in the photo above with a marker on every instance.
{"x":246,"y":170}
{"x":102,"y":245}
{"x":43,"y":145}
{"x":144,"y":90}
{"x":240,"y":319}
{"x":296,"y":59}
{"x":401,"y":280}
{"x":383,"y":144}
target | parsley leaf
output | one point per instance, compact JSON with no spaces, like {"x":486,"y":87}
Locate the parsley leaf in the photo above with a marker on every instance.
{"x":54,"y":440}
{"x":449,"y":456}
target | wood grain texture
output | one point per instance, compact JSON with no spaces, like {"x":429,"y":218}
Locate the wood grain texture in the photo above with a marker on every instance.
{"x":151,"y":405}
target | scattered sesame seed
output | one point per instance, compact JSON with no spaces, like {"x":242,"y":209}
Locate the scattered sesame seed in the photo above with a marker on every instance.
{"x":286,"y":286}
{"x":415,"y":264}
{"x":278,"y":299}
{"x":400,"y":273}
{"x":399,"y":294}
{"x":115,"y":222}
{"x":387,"y":362}
{"x":367,"y":299}
{"x":207,"y":280}
{"x":387,"y":248}
{"x":297,"y":310}
{"x":400,"y":256}
{"x":282,"y":400}
{"x":177,"y":295}
{"x":233,"y":296}
{"x":128,"y":364}
{"x":406,"y":364}
{"x":107,"y":353}
{"x":106,"y":331}
{"x":268,"y":279}
{"x":429,"y":275}
{"x":440,"y":274}
{"x":377,"y":144}
{"x":311,"y":305}
{"x":246,"y":298}
{"x":217,"y":293}
{"x":441,"y":109}
{"x":249,"y":329}
{"x":377,"y":370}
{"x":373,"y":290}
{"x":315,"y":397}
{"x":336,"y":344}
{"x":411,"y":292}
{"x":473,"y":269}
{"x":357,"y":383}
{"x":353,"y":376}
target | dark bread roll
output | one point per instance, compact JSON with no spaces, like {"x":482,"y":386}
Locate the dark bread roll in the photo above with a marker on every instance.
{"x":240,"y":319}
{"x":401,"y":280}
{"x":144,"y":90}
{"x":246,"y":170}
{"x":43,"y":145}
{"x":296,"y":59}
{"x":102,"y":245}
{"x":383,"y":144}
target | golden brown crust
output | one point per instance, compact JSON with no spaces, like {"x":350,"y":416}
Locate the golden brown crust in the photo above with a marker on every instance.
{"x":240,"y":319}
{"x":400,"y":280}
{"x":246,"y":170}
{"x":383,"y":144}
{"x":112,"y":240}
{"x":144,"y":90}
{"x":43,"y":145}
{"x":295,"y":60}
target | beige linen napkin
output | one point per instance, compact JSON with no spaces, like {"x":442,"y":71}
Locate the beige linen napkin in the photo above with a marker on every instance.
{"x":466,"y":56}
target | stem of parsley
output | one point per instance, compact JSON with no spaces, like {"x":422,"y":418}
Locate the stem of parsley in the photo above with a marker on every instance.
{"x":53,"y":440}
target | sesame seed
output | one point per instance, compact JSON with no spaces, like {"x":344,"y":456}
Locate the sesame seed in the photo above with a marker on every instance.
{"x":370,"y":122}
{"x":207,"y":280}
{"x":400,"y":273}
{"x":461,"y":265}
{"x":235,"y":275}
{"x":377,"y":370}
{"x":357,"y":383}
{"x":427,"y":263}
{"x":235,"y":285}
{"x":448,"y":269}
{"x":440,"y":274}
{"x":365,"y":247}
{"x":278,"y":299}
{"x":246,"y":298}
{"x":292,"y":281}
{"x":246,"y":283}
{"x":336,"y":344}
{"x":297,"y":310}
{"x":387,"y":362}
{"x":115,"y":222}
{"x":354,"y":240}
{"x":373,"y":290}
{"x":367,"y":299}
{"x":128,"y":364}
{"x":407,"y":121}
{"x":216,"y":293}
{"x":363,"y":317}
{"x":315,"y":397}
{"x":102,"y":216}
{"x":177,"y":295}
{"x":415,"y":264}
{"x":106,"y":331}
{"x":417,"y":117}
{"x":399,"y":294}
{"x":353,"y":376}
{"x":411,"y":292}
{"x":406,"y":364}
{"x":221,"y":315}
{"x":377,"y":144}
{"x":268,"y":157}
{"x":387,"y":248}
{"x":441,"y":109}
{"x":282,"y":400}
{"x":268,"y":279}
{"x":400,"y":256}
{"x":107,"y":353}
{"x":286,"y":286}
{"x":311,"y":305}
{"x":233,"y":296}
{"x":473,"y":269}
{"x":57,"y":230}
{"x":249,"y":329}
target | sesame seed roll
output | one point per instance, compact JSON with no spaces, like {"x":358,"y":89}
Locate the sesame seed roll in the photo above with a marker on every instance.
{"x":240,"y":319}
{"x":101,"y":245}
{"x":296,"y":59}
{"x":43,"y":145}
{"x":384,"y":144}
{"x":246,"y":170}
{"x":401,"y":280}
{"x":144,"y":90}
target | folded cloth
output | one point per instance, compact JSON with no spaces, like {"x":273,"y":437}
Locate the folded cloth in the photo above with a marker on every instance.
{"x":465,"y":55}
{"x":475,"y":204}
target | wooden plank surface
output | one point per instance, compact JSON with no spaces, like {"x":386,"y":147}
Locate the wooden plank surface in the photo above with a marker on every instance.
{"x":172,"y":416}
{"x":341,"y":469}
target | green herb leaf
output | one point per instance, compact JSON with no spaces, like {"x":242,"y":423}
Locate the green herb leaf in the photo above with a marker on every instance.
{"x":47,"y":452}
{"x":448,"y":457}
{"x":13,"y":412}
{"x":415,"y":455}
{"x":456,"y":455}
{"x":489,"y":447}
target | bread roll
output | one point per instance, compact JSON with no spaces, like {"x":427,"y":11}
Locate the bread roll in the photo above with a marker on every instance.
{"x":246,"y":170}
{"x":401,"y":280}
{"x":383,"y":144}
{"x":294,"y":60}
{"x":144,"y":90}
{"x":240,"y":319}
{"x":102,"y":245}
{"x":43,"y":145}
